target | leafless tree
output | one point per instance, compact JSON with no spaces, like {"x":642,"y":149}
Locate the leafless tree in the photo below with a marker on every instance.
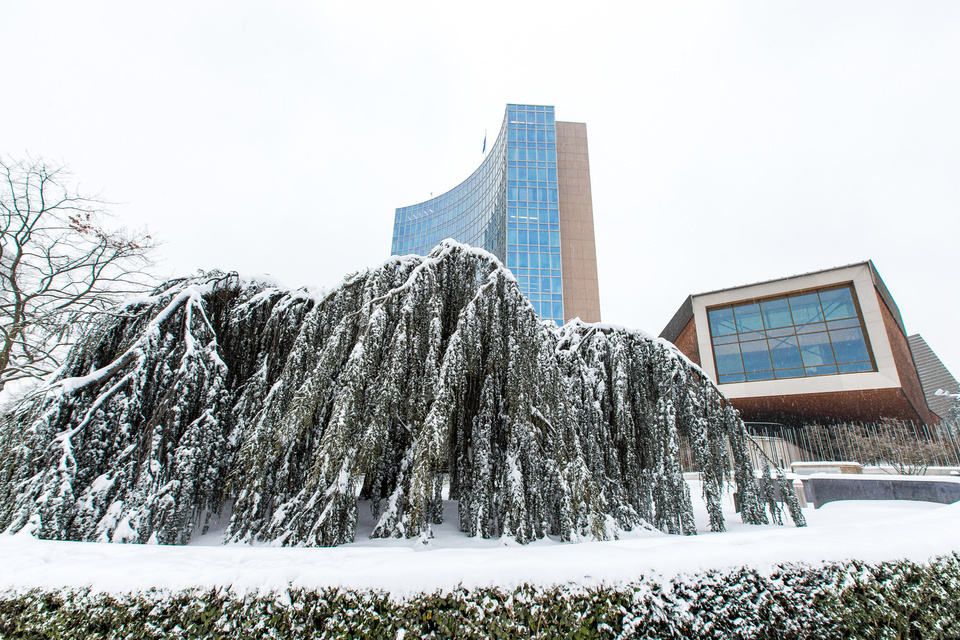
{"x":897,"y":444}
{"x":59,"y":265}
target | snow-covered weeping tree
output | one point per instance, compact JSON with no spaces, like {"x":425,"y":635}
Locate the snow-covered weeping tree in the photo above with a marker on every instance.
{"x":293,"y":408}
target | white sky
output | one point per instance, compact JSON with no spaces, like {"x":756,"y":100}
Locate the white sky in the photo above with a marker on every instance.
{"x":729,"y":142}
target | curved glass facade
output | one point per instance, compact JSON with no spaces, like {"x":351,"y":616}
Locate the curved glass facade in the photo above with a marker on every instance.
{"x":508,"y":206}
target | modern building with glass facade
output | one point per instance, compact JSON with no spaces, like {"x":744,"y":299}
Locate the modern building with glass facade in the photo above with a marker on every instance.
{"x":529,"y":203}
{"x":824,"y":346}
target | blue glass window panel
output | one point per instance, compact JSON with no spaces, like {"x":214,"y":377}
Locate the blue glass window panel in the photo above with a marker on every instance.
{"x":725,"y":339}
{"x":522,"y":237}
{"x":531,"y":154}
{"x":511,"y":153}
{"x":536,"y":306}
{"x":748,"y":318}
{"x":522,"y":260}
{"x":550,"y":117}
{"x":541,"y":154}
{"x":512,"y":193}
{"x":837,"y":303}
{"x":812,"y":328}
{"x":533,"y":259}
{"x":554,"y":216}
{"x":551,"y":155}
{"x":544,"y":285}
{"x":756,"y":356}
{"x":511,"y":236}
{"x":785,"y":353}
{"x":788,"y":373}
{"x":543,"y":216}
{"x":552,"y":196}
{"x":849,"y":345}
{"x":542,"y":195}
{"x":554,"y":238}
{"x":815,"y":349}
{"x":524,"y":283}
{"x":825,"y":370}
{"x":731,"y":377}
{"x":806,"y":309}
{"x":728,"y":358}
{"x":776,"y":313}
{"x":759,"y":375}
{"x":544,"y":260}
{"x":552,"y":175}
{"x":511,"y":173}
{"x":541,"y":136}
{"x":544,"y":238}
{"x":555,"y":261}
{"x":854,"y":367}
{"x":843,"y":324}
{"x":522,"y":172}
{"x":779,"y":333}
{"x":721,"y":322}
{"x":534,"y":284}
{"x":556,"y":285}
{"x":542,"y":174}
{"x":551,"y":135}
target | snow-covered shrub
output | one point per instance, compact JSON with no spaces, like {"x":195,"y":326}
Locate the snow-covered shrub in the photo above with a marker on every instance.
{"x":288,"y":405}
{"x":832,"y":601}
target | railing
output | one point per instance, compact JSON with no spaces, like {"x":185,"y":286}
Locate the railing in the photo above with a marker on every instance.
{"x":906,"y":447}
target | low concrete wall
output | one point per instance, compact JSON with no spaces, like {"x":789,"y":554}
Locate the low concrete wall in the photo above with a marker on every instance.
{"x":823,"y":488}
{"x":826,"y":466}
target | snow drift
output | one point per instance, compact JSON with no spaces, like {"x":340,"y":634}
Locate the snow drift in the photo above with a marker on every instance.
{"x":291,"y":410}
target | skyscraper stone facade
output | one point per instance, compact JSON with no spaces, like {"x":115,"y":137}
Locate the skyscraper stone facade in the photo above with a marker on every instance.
{"x":529,"y":203}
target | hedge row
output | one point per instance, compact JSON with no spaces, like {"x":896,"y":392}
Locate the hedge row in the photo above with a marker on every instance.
{"x":838,"y":600}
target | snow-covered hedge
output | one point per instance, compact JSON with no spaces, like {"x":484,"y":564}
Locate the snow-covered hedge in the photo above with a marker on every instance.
{"x":837,"y":600}
{"x":284,"y":406}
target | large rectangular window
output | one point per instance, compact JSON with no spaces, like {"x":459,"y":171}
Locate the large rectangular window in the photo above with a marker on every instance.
{"x":809,"y":333}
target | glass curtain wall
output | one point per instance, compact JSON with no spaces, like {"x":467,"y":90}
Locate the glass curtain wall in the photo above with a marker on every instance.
{"x":472,"y":212}
{"x":533,"y":216}
{"x":509,"y":206}
{"x":811,"y":333}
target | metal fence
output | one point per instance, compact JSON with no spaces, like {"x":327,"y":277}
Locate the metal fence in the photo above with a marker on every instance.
{"x":905,"y":446}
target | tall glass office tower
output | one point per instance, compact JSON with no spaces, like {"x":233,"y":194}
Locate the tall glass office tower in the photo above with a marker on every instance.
{"x":529,"y":204}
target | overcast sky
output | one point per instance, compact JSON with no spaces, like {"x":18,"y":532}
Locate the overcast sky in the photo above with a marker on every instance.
{"x":729,"y":142}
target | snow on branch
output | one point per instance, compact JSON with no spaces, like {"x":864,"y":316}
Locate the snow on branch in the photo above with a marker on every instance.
{"x":291,"y":411}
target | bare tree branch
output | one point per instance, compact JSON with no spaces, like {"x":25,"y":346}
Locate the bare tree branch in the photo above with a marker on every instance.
{"x":59,"y":265}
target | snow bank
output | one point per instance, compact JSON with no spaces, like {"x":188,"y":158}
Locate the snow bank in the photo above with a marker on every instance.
{"x":868,"y":531}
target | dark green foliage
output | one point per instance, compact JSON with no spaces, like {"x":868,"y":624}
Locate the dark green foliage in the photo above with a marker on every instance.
{"x":833,"y":601}
{"x":290,"y":406}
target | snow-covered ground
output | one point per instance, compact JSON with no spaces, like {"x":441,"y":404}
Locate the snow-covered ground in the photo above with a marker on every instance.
{"x":871,"y":531}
